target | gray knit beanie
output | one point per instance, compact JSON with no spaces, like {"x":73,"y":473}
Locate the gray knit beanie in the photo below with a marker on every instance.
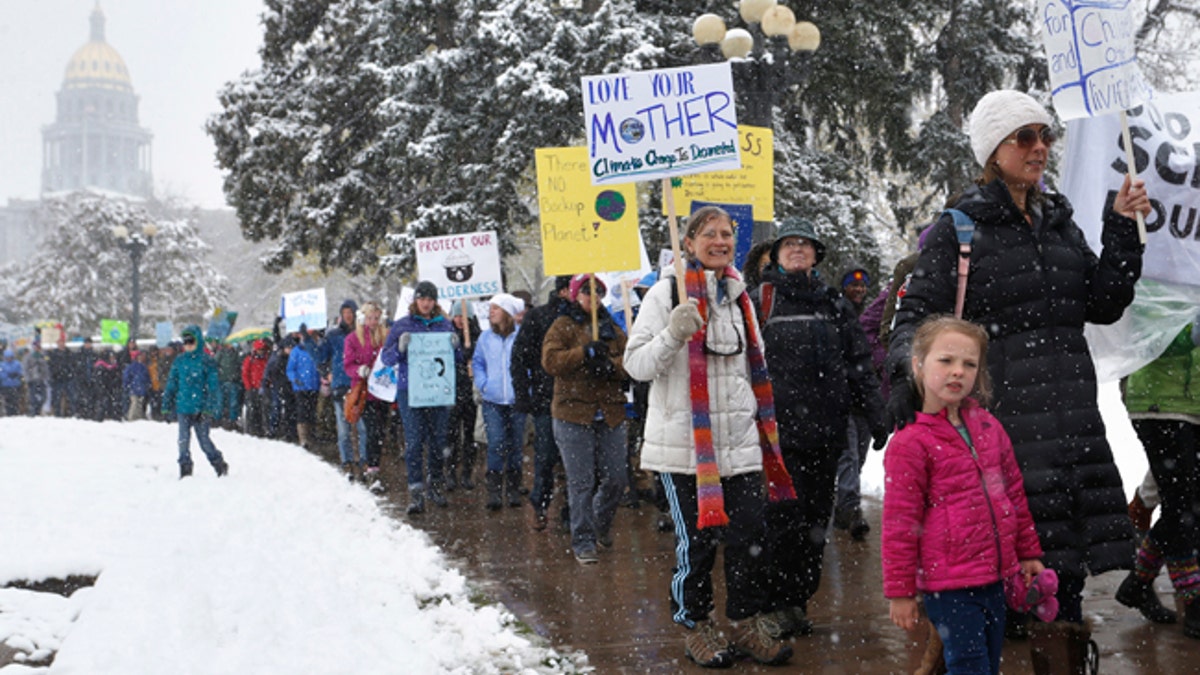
{"x":998,"y":114}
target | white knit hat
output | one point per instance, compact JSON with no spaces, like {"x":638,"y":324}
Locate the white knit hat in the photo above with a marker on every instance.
{"x":509,"y":303}
{"x":998,"y":114}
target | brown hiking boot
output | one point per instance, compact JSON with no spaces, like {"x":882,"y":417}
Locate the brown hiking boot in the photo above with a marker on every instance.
{"x":754,"y":638}
{"x":706,"y":646}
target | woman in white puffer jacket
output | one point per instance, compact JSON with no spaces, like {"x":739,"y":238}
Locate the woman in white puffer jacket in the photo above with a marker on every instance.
{"x":704,"y":440}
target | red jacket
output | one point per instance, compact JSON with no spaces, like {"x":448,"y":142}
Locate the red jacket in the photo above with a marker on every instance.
{"x":253,"y":368}
{"x":952,"y":519}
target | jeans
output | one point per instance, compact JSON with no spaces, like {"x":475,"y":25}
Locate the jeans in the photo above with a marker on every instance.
{"x":970,"y":622}
{"x":58,"y":397}
{"x":595,"y":457}
{"x":850,"y":464}
{"x":37,"y":397}
{"x":545,"y":456}
{"x":506,"y":434}
{"x":424,"y":439}
{"x":231,"y":401}
{"x":343,"y":433}
{"x":186,"y":424}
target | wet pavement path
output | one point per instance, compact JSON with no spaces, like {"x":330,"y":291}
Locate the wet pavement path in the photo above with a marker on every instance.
{"x":617,"y":611}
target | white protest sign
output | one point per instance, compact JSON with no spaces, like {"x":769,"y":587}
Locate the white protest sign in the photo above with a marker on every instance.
{"x":1091,"y":56}
{"x":382,"y":381}
{"x":431,"y":374}
{"x":461,"y":265}
{"x":304,"y":307}
{"x":659,"y":123}
{"x":1165,"y":134}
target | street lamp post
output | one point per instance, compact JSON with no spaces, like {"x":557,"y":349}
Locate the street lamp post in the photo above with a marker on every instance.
{"x":767,"y":57}
{"x":135,"y":243}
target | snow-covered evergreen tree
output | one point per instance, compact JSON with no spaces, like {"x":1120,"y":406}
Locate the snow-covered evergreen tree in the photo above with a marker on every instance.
{"x":80,"y":274}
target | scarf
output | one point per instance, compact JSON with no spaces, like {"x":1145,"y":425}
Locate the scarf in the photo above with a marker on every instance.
{"x":709,"y":497}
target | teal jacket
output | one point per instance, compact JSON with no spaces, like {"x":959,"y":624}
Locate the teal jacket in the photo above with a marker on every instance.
{"x":1168,"y":385}
{"x":192,"y":385}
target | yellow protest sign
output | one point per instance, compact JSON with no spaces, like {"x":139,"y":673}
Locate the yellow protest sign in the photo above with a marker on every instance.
{"x":753,"y":184}
{"x":585,"y":227}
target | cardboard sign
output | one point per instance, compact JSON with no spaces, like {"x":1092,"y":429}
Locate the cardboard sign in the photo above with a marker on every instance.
{"x":113,"y":332}
{"x":163,"y":332}
{"x":304,"y":307}
{"x":659,"y":123}
{"x":753,"y":184}
{"x":585,"y":228}
{"x":461,"y":265}
{"x":1092,"y":58}
{"x":1166,"y":141}
{"x":431,"y":374}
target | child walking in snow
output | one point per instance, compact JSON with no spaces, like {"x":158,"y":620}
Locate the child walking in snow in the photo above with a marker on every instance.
{"x":956,"y":525}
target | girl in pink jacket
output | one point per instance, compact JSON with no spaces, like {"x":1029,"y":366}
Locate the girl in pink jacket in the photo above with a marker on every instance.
{"x":956,"y":525}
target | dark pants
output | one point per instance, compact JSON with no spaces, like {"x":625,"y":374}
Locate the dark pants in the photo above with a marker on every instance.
{"x":257,"y":422}
{"x":1172,"y":449}
{"x":58,"y":397}
{"x":545,"y":457}
{"x":797,"y":529}
{"x":461,"y":438}
{"x":696,"y":549}
{"x":37,"y":397}
{"x":306,"y":406}
{"x":970,"y":622}
{"x":375,"y":418}
{"x":10,"y":400}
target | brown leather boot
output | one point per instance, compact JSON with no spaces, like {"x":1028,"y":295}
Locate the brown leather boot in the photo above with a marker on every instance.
{"x":1062,"y":648}
{"x":933,"y":662}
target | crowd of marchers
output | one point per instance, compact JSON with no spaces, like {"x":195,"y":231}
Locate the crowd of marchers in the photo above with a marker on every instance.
{"x":743,"y":404}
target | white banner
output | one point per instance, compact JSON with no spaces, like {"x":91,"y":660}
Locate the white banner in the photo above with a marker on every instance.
{"x":382,"y":380}
{"x":304,"y":307}
{"x":461,"y":265}
{"x":1091,"y":56}
{"x":654,"y":124}
{"x":1165,"y":135}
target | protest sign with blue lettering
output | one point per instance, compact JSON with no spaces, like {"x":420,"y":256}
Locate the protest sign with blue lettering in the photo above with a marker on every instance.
{"x":660,"y":123}
{"x":304,"y":307}
{"x":1091,"y":56}
{"x":461,"y":265}
{"x":430,"y":370}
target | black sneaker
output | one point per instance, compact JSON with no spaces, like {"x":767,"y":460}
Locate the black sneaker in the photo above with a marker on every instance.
{"x":222,"y":468}
{"x":185,"y":470}
{"x":1140,"y":595}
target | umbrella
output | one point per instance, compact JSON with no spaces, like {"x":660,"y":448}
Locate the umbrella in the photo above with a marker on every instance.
{"x":247,"y":335}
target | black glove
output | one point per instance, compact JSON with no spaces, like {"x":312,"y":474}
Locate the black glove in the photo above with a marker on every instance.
{"x":596,"y":361}
{"x":901,"y":406}
{"x":523,"y":405}
{"x":880,"y":436}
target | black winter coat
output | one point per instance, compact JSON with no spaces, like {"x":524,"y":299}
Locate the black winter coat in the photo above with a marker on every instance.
{"x":1032,"y":289}
{"x":532,"y":385}
{"x":819,"y":361}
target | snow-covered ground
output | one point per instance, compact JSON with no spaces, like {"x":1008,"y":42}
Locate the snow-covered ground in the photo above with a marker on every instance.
{"x":281,"y":567}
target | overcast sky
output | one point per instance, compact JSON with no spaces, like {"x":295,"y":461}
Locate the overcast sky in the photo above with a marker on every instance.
{"x":178,"y":53}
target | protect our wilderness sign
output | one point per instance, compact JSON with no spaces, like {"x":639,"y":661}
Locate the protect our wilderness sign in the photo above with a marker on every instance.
{"x":654,"y":124}
{"x":461,"y":265}
{"x":585,"y":227}
{"x":1091,"y":56}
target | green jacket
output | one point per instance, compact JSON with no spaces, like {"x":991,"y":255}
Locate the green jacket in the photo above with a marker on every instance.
{"x":192,"y":385}
{"x":1170,"y":384}
{"x":229,"y":365}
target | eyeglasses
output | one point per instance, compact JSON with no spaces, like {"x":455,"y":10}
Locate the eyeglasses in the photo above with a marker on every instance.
{"x":796,"y":242}
{"x":1026,"y":137}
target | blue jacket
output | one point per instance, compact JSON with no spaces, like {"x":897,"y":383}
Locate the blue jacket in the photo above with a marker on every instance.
{"x":492,"y":365}
{"x":10,"y":374}
{"x":302,"y":370}
{"x":391,"y":355}
{"x":334,"y":351}
{"x":192,"y":385}
{"x":136,"y":379}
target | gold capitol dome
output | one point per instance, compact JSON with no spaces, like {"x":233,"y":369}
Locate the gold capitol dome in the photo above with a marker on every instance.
{"x":96,"y":64}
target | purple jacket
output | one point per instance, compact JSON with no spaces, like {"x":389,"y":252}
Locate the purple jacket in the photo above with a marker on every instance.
{"x":870,"y":319}
{"x":953,"y":519}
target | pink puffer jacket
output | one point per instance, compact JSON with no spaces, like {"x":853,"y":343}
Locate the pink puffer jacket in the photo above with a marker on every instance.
{"x":952,"y":521}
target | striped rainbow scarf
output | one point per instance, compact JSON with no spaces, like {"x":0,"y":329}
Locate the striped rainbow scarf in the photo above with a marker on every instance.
{"x":710,"y":500}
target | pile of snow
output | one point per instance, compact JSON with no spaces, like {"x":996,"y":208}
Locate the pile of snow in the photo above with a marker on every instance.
{"x":280,"y":567}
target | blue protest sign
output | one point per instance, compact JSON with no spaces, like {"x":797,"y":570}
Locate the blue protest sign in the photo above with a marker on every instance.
{"x":430,"y":370}
{"x":163,"y":332}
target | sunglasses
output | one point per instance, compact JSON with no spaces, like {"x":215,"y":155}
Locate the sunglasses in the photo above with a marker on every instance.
{"x":1027,"y":137}
{"x":189,"y":340}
